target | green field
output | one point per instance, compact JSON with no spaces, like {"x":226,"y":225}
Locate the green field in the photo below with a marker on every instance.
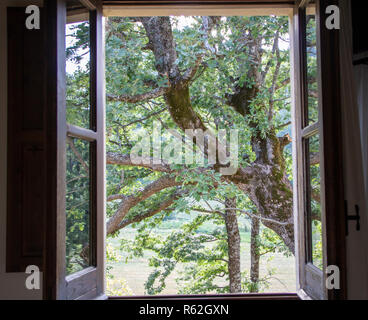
{"x":136,"y":271}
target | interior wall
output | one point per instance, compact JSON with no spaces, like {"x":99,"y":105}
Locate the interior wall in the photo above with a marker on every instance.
{"x":355,"y":160}
{"x":12,"y":285}
{"x":361,"y":80}
{"x":360,"y":245}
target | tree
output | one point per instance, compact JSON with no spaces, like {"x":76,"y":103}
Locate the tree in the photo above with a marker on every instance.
{"x":255,"y":254}
{"x":219,"y":72}
{"x":212,"y":73}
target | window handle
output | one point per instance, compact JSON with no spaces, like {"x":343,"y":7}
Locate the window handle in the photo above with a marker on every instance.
{"x":355,"y":217}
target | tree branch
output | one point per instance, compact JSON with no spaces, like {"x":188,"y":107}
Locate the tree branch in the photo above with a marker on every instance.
{"x":207,"y":211}
{"x":139,"y":97}
{"x":144,"y":118}
{"x":274,"y":77}
{"x":77,"y":154}
{"x":269,"y":62}
{"x":132,"y":200}
{"x":150,"y":213}
{"x":116,"y":197}
{"x":190,"y":73}
{"x":125,"y":160}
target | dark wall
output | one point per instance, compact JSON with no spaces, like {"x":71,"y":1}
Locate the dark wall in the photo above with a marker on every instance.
{"x":360,"y":27}
{"x":26,"y":176}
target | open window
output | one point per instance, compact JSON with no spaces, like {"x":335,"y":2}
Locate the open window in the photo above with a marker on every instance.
{"x":78,"y":264}
{"x":318,"y":225}
{"x":309,"y":155}
{"x":76,"y":271}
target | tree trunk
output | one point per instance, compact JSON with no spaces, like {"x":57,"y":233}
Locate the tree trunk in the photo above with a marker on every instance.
{"x":268,"y":185}
{"x":254,"y":255}
{"x":265,"y":181}
{"x":233,"y":240}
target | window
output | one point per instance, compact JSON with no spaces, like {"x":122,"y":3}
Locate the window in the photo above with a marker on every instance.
{"x":312,"y":195}
{"x":319,"y":213}
{"x":237,"y":86}
{"x":79,"y":205}
{"x":310,"y":136}
{"x":78,"y":241}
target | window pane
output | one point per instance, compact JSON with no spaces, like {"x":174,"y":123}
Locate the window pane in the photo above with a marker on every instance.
{"x":78,"y":110}
{"x":78,"y":208}
{"x":314,"y":205}
{"x":312,"y":67}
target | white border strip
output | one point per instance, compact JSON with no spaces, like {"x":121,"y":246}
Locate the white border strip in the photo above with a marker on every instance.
{"x":197,"y":10}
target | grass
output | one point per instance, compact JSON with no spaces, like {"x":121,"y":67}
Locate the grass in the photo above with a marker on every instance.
{"x":135,"y":272}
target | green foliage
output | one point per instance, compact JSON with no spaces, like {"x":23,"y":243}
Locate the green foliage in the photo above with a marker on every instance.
{"x":77,"y":74}
{"x":263,"y":283}
{"x":77,"y":205}
{"x":115,"y":287}
{"x":130,"y":70}
{"x":317,"y":244}
{"x":270,"y":242}
{"x":202,"y":253}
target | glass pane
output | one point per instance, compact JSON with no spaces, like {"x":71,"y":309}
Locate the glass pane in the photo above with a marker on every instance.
{"x":312,"y":67}
{"x":314,"y":195}
{"x":78,"y":108}
{"x":78,"y":208}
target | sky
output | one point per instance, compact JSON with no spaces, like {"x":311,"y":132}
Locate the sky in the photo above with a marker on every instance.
{"x":183,"y":21}
{"x":71,"y":66}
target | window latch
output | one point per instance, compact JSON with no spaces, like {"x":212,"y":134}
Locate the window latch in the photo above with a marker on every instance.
{"x":355,"y":217}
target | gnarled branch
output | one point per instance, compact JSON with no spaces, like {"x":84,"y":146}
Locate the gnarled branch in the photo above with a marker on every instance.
{"x":149,"y":163}
{"x":131,"y":201}
{"x":150,"y":213}
{"x":158,"y":92}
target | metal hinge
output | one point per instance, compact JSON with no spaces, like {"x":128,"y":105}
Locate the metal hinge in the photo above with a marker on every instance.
{"x":355,"y":217}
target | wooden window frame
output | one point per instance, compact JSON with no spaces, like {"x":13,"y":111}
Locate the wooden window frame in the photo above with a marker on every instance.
{"x":221,"y":8}
{"x":311,"y":280}
{"x":89,"y":283}
{"x":196,"y":297}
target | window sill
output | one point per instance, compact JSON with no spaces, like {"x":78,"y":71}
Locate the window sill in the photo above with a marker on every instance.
{"x":284,"y":296}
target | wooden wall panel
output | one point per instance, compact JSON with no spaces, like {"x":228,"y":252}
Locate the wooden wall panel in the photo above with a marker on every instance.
{"x":26,"y":144}
{"x":32,"y":208}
